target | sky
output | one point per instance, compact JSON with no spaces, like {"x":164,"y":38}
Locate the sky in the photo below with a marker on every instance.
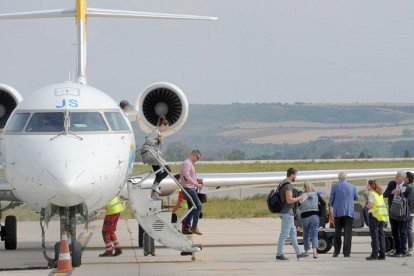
{"x":314,"y":51}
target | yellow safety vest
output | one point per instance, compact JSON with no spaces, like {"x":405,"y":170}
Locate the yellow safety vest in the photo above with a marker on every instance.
{"x":379,"y":209}
{"x":184,"y":202}
{"x":114,"y":206}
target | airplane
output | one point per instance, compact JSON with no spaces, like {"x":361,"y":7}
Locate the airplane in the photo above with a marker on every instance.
{"x":67,"y":148}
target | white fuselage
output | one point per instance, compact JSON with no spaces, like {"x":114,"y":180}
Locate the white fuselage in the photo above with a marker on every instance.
{"x":87,"y":162}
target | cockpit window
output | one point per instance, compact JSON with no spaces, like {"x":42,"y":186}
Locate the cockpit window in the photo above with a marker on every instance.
{"x":116,"y":121}
{"x":46,"y":122}
{"x":18,"y":121}
{"x":87,"y":121}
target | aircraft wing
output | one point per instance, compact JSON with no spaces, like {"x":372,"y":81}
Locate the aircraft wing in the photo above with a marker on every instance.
{"x":214,"y":180}
{"x":245,"y":179}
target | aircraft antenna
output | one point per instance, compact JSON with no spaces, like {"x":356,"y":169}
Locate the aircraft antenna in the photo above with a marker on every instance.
{"x":82,"y":12}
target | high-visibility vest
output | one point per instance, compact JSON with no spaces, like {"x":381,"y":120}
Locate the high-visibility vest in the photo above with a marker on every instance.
{"x":184,"y":202}
{"x":379,"y":209}
{"x":114,"y":206}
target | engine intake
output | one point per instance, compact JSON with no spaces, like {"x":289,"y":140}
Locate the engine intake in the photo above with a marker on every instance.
{"x":162,"y":99}
{"x":9,"y":99}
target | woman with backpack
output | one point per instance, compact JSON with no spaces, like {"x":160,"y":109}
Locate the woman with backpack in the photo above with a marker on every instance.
{"x":378,"y":217}
{"x":309,"y":216}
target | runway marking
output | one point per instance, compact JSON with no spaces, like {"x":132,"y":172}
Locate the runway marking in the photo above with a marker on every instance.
{"x":84,"y":239}
{"x":140,"y":261}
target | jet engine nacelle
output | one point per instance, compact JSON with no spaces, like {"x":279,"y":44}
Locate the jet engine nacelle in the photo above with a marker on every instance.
{"x":9,"y":99}
{"x":162,"y":99}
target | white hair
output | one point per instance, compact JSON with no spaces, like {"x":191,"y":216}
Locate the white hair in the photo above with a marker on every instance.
{"x":403,"y":174}
{"x":342,"y":176}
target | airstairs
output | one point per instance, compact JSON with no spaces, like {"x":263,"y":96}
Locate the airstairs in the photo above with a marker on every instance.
{"x":157,"y":221}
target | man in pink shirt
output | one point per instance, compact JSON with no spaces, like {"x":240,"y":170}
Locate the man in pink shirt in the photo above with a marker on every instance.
{"x":190,"y":183}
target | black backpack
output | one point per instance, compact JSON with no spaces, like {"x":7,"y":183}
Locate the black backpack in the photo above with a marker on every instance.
{"x":274,"y":202}
{"x":400,"y":209}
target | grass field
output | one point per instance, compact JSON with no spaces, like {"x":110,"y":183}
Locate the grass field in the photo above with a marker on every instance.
{"x":249,"y":207}
{"x":294,"y":132}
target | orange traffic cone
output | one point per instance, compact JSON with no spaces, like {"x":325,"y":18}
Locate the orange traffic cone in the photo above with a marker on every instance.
{"x":65,"y":261}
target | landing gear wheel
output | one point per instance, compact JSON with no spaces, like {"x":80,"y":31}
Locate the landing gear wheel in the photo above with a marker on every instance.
{"x":324,"y":244}
{"x":10,"y":241}
{"x":140,"y":236}
{"x":57,"y":251}
{"x":76,"y":254}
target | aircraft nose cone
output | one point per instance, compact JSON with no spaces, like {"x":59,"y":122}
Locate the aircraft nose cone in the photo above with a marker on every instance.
{"x":68,"y":183}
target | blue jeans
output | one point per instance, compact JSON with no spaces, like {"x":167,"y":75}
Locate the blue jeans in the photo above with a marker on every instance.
{"x":310,"y":231}
{"x":288,"y":229}
{"x":194,"y":214}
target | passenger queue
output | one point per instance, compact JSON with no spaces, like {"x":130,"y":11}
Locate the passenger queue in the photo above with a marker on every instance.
{"x":399,"y":213}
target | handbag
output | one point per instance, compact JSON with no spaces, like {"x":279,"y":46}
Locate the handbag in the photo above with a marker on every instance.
{"x":202,"y":194}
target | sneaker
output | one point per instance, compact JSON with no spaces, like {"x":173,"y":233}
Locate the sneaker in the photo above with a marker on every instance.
{"x":347,"y":256}
{"x":174,"y":218}
{"x":281,"y":258}
{"x":302,"y":256}
{"x":106,"y":254}
{"x":392,"y":252}
{"x":156,"y":197}
{"x":196,"y":231}
{"x":156,"y":188}
{"x":117,"y":252}
{"x":335,"y":255}
{"x":370,"y":258}
{"x":187,"y":232}
{"x":314,"y":253}
{"x":381,"y":258}
{"x":397,"y":255}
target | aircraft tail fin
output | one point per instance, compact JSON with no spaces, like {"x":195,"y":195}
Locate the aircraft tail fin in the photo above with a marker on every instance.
{"x":40,"y":14}
{"x":82,"y":12}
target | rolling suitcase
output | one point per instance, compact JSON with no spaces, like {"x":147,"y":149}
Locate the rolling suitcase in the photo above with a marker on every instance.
{"x":358,"y":216}
{"x":148,"y":245}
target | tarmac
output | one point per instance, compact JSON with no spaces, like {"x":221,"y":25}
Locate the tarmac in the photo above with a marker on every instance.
{"x":230,"y":247}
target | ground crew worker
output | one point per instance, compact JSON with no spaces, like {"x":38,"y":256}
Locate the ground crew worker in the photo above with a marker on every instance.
{"x":378,"y":217}
{"x":181,"y":203}
{"x":124,"y":105}
{"x":113,"y":211}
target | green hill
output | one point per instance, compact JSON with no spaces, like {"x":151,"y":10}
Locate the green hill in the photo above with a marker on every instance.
{"x":294,"y":131}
